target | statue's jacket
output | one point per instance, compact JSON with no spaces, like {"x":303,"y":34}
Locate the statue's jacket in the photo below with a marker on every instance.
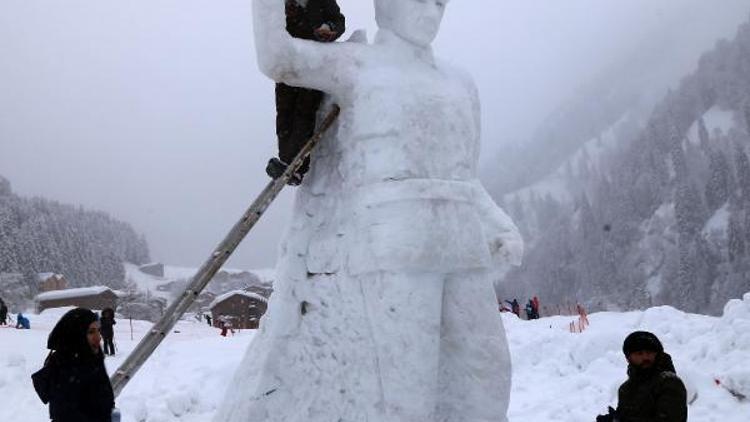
{"x":390,"y":209}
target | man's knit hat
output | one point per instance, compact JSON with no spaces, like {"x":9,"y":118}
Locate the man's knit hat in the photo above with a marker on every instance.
{"x":640,"y":341}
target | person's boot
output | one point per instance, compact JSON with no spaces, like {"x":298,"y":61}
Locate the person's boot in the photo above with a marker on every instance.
{"x":275,"y":168}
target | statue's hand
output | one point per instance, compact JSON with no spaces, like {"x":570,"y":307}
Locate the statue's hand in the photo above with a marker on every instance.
{"x":506,"y":246}
{"x":503,"y":238}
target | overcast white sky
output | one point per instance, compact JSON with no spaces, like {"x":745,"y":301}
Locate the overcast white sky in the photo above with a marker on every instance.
{"x":154,"y":111}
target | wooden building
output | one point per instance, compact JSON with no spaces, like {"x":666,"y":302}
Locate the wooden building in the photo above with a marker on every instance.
{"x":48,"y":282}
{"x":95,"y":298}
{"x":242,"y":308}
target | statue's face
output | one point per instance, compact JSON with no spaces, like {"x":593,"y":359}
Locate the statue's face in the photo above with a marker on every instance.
{"x":416,"y":21}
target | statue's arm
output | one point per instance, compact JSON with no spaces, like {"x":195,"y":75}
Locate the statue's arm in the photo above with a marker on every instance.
{"x":505,"y":241}
{"x":326,"y":67}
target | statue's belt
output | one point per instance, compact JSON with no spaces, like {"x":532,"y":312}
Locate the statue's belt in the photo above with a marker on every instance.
{"x":411,"y":189}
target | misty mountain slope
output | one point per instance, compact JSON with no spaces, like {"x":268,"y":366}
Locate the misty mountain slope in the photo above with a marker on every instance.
{"x":39,"y":235}
{"x":625,"y":91}
{"x":667,"y":219}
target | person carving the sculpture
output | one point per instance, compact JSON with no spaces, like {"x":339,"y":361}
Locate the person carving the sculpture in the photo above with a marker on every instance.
{"x":296,"y":108}
{"x":653,"y":391}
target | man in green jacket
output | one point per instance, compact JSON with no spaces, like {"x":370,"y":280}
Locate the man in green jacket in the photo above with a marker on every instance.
{"x":653,"y":391}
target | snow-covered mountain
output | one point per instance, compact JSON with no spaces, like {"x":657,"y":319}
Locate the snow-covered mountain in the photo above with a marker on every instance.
{"x":621,"y":97}
{"x":647,"y":209}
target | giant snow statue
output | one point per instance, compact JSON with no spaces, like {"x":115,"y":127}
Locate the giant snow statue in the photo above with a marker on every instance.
{"x":384,"y":308}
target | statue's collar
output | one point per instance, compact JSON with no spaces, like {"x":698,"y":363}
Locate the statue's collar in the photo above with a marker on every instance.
{"x":400,"y":46}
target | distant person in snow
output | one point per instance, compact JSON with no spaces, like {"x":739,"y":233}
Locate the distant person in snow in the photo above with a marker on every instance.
{"x":108,"y":322}
{"x":535,"y":302}
{"x":515,"y":307}
{"x":530,"y":311}
{"x":22,"y":323}
{"x":225,"y":324}
{"x":3,"y":313}
{"x":653,"y":391}
{"x":74,"y":380}
{"x":502,"y":308}
{"x":208,"y":320}
{"x":297,"y":108}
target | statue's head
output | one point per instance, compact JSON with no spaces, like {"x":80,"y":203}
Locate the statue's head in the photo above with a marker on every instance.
{"x":416,"y":21}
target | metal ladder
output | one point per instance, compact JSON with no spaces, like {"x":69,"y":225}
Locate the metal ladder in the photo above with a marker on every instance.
{"x":213,"y":264}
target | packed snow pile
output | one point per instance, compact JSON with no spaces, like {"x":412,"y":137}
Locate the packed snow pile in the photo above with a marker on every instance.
{"x":557,"y":376}
{"x":183,"y":381}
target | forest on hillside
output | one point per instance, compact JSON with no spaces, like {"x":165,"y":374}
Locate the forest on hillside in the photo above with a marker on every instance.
{"x":663,"y":215}
{"x":87,"y":247}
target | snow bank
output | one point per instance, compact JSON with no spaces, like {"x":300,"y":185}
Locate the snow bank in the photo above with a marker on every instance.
{"x":557,"y":376}
{"x":183,"y":381}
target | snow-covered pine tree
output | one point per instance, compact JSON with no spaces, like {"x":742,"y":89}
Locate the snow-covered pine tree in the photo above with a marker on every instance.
{"x":717,"y":188}
{"x":38,"y":235}
{"x":742,"y":166}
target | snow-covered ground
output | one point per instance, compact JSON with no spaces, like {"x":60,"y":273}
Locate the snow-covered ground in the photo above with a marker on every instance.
{"x":557,"y":376}
{"x":183,"y":381}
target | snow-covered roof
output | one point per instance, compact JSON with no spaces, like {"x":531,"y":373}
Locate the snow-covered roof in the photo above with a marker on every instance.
{"x":227,"y":295}
{"x":46,"y":276}
{"x":72,"y":293}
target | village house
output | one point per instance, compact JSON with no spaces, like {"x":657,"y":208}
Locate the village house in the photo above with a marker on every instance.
{"x":95,"y":298}
{"x":242,"y":308}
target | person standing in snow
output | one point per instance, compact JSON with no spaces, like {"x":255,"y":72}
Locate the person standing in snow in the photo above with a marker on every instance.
{"x":108,"y":332}
{"x":296,"y":108}
{"x":653,"y":391}
{"x":74,"y":380}
{"x":535,"y":302}
{"x":515,"y":307}
{"x":225,"y":323}
{"x":3,"y":313}
{"x":530,"y":310}
{"x":208,"y":320}
{"x":22,"y":323}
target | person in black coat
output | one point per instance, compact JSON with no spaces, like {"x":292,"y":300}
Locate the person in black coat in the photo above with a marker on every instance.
{"x":297,"y":108}
{"x":653,"y":391}
{"x":3,"y":313}
{"x":107,"y":322}
{"x":74,"y":380}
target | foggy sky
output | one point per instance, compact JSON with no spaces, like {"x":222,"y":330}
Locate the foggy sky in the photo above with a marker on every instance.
{"x":154,"y":110}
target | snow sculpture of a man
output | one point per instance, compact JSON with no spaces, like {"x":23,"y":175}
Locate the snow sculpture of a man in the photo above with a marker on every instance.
{"x":383,"y":308}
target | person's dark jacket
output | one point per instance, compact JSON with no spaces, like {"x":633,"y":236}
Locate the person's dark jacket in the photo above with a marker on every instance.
{"x":107,"y":322}
{"x":74,"y":380}
{"x":301,"y":22}
{"x":653,"y":395}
